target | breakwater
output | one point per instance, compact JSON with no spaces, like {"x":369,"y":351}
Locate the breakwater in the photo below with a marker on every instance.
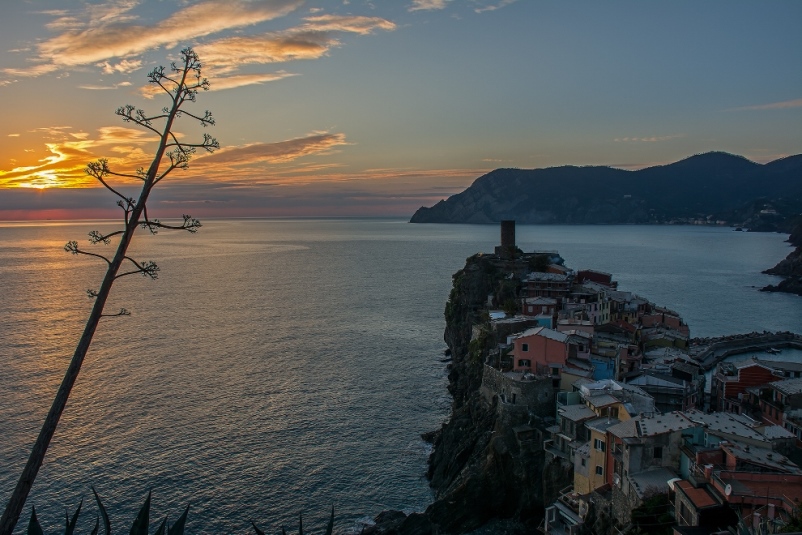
{"x":710,"y":351}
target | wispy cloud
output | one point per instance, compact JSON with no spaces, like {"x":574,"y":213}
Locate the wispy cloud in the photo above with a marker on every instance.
{"x":225,"y":82}
{"x":311,"y":40}
{"x":108,"y":31}
{"x":126,"y":65}
{"x":320,"y":143}
{"x":95,"y":87}
{"x":647,"y":139}
{"x":427,"y":5}
{"x":773,"y":106}
{"x":493,"y":7}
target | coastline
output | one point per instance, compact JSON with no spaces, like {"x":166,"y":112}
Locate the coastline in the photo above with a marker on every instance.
{"x":488,"y":467}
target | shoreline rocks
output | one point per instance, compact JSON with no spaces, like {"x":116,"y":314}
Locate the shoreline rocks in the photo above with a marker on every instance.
{"x":790,"y":267}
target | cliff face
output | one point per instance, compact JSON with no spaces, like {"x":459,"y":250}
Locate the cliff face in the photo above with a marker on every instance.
{"x":790,"y":267}
{"x":479,"y":469}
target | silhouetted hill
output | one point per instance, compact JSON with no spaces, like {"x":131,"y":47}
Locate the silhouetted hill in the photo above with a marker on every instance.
{"x":715,"y":184}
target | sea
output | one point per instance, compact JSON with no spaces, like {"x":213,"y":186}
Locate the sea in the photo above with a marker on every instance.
{"x":282,"y":367}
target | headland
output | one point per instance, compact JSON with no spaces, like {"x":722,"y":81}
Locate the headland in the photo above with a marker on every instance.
{"x":580,"y":407}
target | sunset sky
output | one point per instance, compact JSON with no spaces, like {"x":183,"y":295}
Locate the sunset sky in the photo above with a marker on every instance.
{"x":352,"y":107}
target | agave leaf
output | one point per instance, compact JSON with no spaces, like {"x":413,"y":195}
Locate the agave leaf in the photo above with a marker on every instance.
{"x":257,"y":530}
{"x":97,"y":525}
{"x":33,"y":524}
{"x":178,"y":527}
{"x":162,"y":527}
{"x":71,"y":523}
{"x":330,"y":527}
{"x":140,"y":526}
{"x":106,"y":523}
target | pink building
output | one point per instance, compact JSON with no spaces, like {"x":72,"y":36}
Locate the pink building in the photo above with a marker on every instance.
{"x":539,"y":348}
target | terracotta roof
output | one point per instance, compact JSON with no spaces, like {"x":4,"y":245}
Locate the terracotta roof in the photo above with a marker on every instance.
{"x":700,"y":497}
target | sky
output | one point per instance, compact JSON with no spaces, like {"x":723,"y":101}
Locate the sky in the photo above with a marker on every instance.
{"x":375,"y":108}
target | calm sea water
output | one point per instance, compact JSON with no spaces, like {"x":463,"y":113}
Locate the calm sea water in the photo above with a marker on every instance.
{"x":285,"y":366}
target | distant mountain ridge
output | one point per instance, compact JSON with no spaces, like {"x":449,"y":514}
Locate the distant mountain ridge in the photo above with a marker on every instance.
{"x":715,"y":184}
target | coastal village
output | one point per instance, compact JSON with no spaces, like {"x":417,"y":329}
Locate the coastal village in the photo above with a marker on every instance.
{"x":610,"y":389}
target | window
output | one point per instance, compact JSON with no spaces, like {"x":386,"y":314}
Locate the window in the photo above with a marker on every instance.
{"x":599,"y":470}
{"x":524,"y":347}
{"x":583,"y":461}
{"x":658,"y":453}
{"x":598,"y":444}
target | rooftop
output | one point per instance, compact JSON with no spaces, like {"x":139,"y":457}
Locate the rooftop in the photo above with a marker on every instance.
{"x":545,"y":332}
{"x":726,"y":422}
{"x":601,"y":424}
{"x":700,"y":497}
{"x":540,"y":276}
{"x":762,"y":457}
{"x":782,"y":365}
{"x":576,"y":413}
{"x":651,"y":480}
{"x":789,"y":387}
{"x":662,"y":423}
{"x":625,"y":429}
{"x":772,"y":432}
{"x":658,"y":379}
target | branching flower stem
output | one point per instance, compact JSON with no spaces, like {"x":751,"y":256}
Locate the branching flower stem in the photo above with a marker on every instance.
{"x":184,"y":87}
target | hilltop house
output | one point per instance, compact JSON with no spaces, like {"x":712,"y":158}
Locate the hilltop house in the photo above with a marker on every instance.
{"x":539,"y":350}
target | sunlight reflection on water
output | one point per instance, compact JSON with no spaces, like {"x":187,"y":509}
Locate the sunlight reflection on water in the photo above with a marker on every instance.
{"x":285,"y":366}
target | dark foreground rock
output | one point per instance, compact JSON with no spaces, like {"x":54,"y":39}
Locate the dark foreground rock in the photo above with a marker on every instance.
{"x":398,"y":523}
{"x":484,"y":475}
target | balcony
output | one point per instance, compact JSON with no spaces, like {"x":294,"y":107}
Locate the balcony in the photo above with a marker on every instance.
{"x":550,"y":447}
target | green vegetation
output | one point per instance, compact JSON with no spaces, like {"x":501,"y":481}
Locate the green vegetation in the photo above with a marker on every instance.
{"x":653,"y":516}
{"x":141,"y":523}
{"x":139,"y":526}
{"x":329,"y":527}
{"x":539,"y":263}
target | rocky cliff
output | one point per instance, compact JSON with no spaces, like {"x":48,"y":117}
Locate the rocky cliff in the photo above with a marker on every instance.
{"x":480,"y":470}
{"x":790,"y":267}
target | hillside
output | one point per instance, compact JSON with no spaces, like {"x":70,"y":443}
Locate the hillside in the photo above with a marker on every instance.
{"x":715,"y":185}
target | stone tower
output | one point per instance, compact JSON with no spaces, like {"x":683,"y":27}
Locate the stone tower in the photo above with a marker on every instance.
{"x":507,"y":247}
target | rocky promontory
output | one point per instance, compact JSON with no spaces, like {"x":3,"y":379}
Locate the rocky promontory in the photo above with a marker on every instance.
{"x":482,"y":468}
{"x":790,"y":267}
{"x":711,"y":188}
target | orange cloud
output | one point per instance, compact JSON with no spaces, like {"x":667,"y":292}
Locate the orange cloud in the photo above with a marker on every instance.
{"x":427,"y":5}
{"x":281,"y":152}
{"x":226,"y":82}
{"x":311,"y":40}
{"x":69,"y":152}
{"x":104,"y":32}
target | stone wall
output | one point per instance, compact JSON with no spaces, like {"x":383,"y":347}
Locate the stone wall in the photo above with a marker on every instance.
{"x":622,"y":509}
{"x":536,"y":396}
